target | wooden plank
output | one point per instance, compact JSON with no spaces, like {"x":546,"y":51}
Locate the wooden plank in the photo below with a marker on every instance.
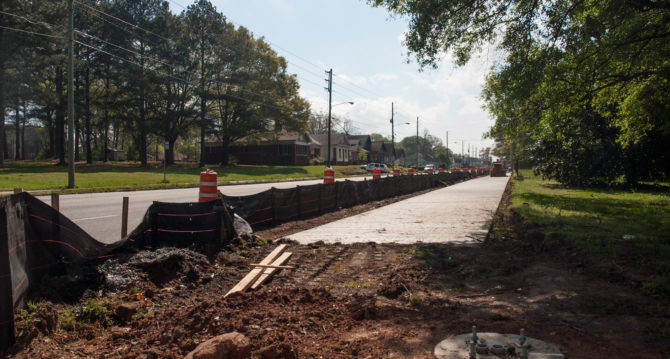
{"x":271,"y":266}
{"x":270,"y":271}
{"x":250,"y":278}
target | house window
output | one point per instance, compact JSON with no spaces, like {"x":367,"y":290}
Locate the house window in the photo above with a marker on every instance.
{"x":284,"y":149}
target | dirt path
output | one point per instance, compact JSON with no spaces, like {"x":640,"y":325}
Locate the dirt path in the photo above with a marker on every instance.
{"x":364,"y":301}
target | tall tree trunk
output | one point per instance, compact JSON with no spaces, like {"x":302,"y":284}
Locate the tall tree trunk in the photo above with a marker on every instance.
{"x":60,"y":118}
{"x":87,"y":109}
{"x":3,"y":59}
{"x":17,"y":129}
{"x":23,"y":132}
{"x":106,"y":115}
{"x":48,"y":119}
{"x":170,"y":151}
{"x":77,"y":125}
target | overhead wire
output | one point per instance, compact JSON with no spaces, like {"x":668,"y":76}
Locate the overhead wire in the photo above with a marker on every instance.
{"x":275,"y":45}
{"x":164,"y":38}
{"x":123,"y":21}
{"x":31,"y":32}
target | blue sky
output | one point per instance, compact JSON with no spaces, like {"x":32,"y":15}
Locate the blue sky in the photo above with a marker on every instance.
{"x":363,"y":46}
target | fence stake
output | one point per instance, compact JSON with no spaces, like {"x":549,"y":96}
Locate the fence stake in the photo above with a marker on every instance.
{"x":55,"y":201}
{"x":124,"y":218}
{"x":297,"y":195}
{"x":273,"y":202}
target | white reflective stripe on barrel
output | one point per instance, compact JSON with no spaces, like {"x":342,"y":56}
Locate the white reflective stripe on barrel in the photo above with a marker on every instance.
{"x":204,"y":183}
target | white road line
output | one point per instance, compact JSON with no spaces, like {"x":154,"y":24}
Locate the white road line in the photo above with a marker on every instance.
{"x":100,"y":217}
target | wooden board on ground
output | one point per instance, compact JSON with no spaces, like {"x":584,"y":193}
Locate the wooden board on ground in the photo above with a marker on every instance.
{"x":270,"y":271}
{"x":250,"y":278}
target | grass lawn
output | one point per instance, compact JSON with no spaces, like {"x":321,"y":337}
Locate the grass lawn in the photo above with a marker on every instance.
{"x":631,"y":224}
{"x":32,"y":176}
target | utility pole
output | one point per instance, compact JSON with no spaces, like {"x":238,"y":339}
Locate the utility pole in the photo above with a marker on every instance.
{"x":330,"y":102}
{"x":70,"y":94}
{"x":462,"y":155}
{"x":417,"y":141}
{"x":392,"y":137}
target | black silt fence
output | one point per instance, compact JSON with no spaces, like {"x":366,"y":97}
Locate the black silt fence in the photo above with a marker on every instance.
{"x":275,"y":206}
{"x":37,"y":241}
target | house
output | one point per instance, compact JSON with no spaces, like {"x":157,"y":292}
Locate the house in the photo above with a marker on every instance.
{"x":341,"y":151}
{"x":360,"y":143}
{"x":381,"y":152}
{"x":283,"y":148}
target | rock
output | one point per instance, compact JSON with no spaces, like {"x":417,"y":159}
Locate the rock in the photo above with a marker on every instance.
{"x":118,"y":332}
{"x":241,"y":226}
{"x":230,"y":346}
{"x":278,"y":351}
{"x":126,"y":310}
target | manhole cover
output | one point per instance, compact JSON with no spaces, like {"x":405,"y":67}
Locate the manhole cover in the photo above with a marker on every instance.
{"x":456,"y":347}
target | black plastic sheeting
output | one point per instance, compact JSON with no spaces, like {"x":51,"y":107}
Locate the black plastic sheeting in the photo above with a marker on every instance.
{"x":275,"y":206}
{"x":36,"y":240}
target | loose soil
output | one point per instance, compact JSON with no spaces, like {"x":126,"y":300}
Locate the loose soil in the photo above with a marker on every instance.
{"x":363,"y":300}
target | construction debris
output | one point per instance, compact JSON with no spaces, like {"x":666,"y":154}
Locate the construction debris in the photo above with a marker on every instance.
{"x":253,"y":276}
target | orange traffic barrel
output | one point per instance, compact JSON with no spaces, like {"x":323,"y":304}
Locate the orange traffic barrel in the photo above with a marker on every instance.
{"x":410,"y":171}
{"x":207,"y":186}
{"x":396,"y":172}
{"x":430,"y":171}
{"x":376,"y":173}
{"x":440,"y":170}
{"x":329,"y":175}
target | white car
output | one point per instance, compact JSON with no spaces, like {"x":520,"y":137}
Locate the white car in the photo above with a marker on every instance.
{"x":371,"y":166}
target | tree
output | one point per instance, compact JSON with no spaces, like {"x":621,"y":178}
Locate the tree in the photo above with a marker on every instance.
{"x":204,"y":25}
{"x":255,"y":95}
{"x":583,"y":88}
{"x":376,"y":137}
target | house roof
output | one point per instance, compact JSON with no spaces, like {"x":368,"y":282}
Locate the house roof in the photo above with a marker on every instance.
{"x":335,"y":139}
{"x":379,"y":146}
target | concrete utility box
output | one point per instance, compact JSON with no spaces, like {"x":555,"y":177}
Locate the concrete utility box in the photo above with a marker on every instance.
{"x":497,"y":170}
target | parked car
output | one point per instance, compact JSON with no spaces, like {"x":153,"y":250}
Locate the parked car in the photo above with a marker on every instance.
{"x":364,"y":166}
{"x":371,"y":166}
{"x":428,"y":167}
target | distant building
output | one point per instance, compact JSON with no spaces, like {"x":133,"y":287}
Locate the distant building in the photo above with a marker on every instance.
{"x":269,"y":149}
{"x":341,"y":151}
{"x":360,"y":143}
{"x":381,"y":152}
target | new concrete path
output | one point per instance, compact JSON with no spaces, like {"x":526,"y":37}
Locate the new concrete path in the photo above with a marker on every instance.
{"x":460,"y":213}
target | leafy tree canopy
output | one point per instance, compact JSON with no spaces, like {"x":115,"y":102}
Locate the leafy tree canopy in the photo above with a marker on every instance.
{"x":582,"y":91}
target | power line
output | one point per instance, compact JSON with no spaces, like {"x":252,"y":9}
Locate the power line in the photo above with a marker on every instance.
{"x":185,"y":81}
{"x":123,"y":21}
{"x":269,"y":42}
{"x":32,"y":32}
{"x":34,"y":22}
{"x":353,"y":84}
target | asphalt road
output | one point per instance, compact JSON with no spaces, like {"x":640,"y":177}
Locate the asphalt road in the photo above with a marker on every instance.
{"x":99,"y":214}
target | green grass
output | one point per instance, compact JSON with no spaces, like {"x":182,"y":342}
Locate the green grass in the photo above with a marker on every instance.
{"x":99,"y":177}
{"x":630,"y":223}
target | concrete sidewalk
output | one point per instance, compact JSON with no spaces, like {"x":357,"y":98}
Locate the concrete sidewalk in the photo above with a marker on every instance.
{"x":461,"y":213}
